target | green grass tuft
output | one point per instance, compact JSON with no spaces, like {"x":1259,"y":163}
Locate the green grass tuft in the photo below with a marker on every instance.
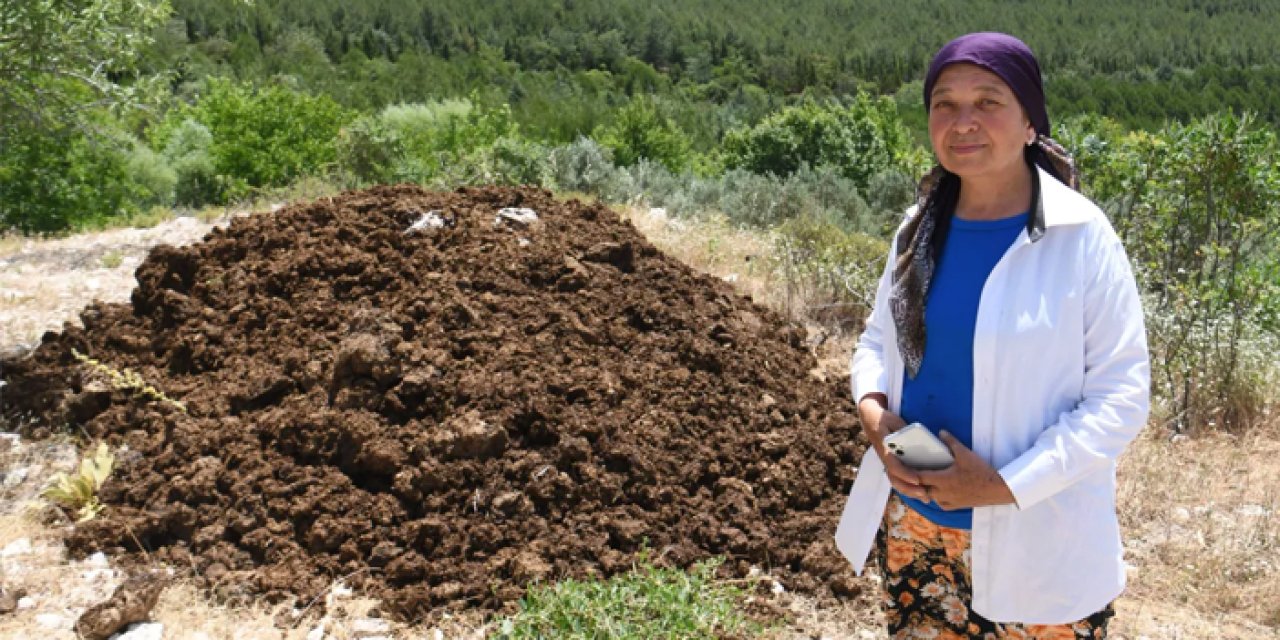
{"x":647,"y":602}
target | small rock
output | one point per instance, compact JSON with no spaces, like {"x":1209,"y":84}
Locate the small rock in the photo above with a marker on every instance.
{"x":370,"y":625}
{"x":777,"y":588}
{"x":19,"y":547}
{"x":523,"y":242}
{"x":94,"y":575}
{"x":1181,"y":514}
{"x":1252,"y":510}
{"x":132,"y":602}
{"x":8,"y":600}
{"x":429,"y":220}
{"x":14,"y":477}
{"x":519,"y":218}
{"x":97,"y":559}
{"x":52,"y":621}
{"x":26,"y":602}
{"x":142,"y":631}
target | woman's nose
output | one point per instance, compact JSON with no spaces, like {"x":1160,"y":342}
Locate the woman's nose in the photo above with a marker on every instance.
{"x":964,"y":121}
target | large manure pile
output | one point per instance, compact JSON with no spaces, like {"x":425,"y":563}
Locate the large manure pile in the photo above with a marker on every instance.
{"x":443,"y":413}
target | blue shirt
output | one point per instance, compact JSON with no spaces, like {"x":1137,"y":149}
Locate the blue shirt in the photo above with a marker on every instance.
{"x":941,"y":395}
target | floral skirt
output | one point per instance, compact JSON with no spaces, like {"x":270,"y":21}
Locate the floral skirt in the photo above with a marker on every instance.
{"x":927,"y":586}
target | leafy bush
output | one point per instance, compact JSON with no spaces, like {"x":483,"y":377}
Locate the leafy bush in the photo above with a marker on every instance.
{"x":261,"y":137}
{"x":861,"y":137}
{"x":79,"y":491}
{"x":639,"y":132}
{"x":1195,"y":206}
{"x":445,"y":142}
{"x":586,"y":166}
{"x":51,"y":181}
{"x":188,"y":151}
{"x":151,"y":175}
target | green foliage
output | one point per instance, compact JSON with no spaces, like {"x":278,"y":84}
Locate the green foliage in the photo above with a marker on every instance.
{"x":61,"y":61}
{"x":197,"y":182}
{"x":264,"y":137}
{"x":79,"y":491}
{"x":150,"y":174}
{"x":639,"y":131}
{"x":52,"y":181}
{"x":1195,"y":206}
{"x":426,"y":142}
{"x":860,"y":137}
{"x":648,"y":602}
{"x":587,"y":167}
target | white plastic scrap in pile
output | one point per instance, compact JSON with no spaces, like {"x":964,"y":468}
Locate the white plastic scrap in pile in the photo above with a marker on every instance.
{"x":519,"y":218}
{"x":429,"y":220}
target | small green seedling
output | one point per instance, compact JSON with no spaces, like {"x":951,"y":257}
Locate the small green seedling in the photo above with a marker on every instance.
{"x":79,"y":491}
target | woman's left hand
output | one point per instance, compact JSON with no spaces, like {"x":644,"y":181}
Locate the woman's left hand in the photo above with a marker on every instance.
{"x":969,"y":482}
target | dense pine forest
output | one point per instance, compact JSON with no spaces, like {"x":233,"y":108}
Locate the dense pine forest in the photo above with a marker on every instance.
{"x":563,"y":65}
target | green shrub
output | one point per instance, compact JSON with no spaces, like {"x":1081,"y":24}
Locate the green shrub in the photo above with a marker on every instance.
{"x":52,"y":181}
{"x":196,"y":179}
{"x":446,"y":142}
{"x":861,"y":137}
{"x":263,"y":137}
{"x":1195,"y":205}
{"x":585,"y":166}
{"x":152,"y":177}
{"x":639,"y":131}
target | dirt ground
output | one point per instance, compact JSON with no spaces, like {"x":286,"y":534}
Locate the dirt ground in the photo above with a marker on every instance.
{"x":444,"y":415}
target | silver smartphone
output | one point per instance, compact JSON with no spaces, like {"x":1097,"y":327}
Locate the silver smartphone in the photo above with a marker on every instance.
{"x":917,"y":447}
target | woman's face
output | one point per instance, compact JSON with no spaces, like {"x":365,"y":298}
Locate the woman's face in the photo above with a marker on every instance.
{"x":976,"y":124}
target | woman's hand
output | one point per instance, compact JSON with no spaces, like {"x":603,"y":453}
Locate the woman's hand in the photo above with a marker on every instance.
{"x":970,"y":482}
{"x":878,"y":422}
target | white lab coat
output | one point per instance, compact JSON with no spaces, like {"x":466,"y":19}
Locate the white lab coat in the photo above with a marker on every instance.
{"x":1061,"y":386}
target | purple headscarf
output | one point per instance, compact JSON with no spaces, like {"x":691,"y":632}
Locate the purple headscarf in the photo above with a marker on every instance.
{"x":1003,"y":55}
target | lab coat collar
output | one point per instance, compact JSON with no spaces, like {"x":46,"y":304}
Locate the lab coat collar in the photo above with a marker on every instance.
{"x":1056,"y":204}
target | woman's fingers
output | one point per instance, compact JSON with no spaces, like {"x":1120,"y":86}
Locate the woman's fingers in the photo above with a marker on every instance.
{"x":905,"y":479}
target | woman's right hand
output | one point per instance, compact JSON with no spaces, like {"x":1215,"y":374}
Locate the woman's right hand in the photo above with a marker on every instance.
{"x":877,"y":422}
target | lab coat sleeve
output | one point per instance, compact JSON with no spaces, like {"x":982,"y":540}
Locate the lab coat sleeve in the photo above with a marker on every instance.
{"x":1116,"y":391}
{"x":867,"y":369}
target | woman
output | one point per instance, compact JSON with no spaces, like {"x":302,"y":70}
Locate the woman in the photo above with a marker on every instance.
{"x":1008,"y":322}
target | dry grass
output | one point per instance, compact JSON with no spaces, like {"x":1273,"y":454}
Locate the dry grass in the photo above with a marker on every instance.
{"x":1201,"y":523}
{"x":714,"y":246}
